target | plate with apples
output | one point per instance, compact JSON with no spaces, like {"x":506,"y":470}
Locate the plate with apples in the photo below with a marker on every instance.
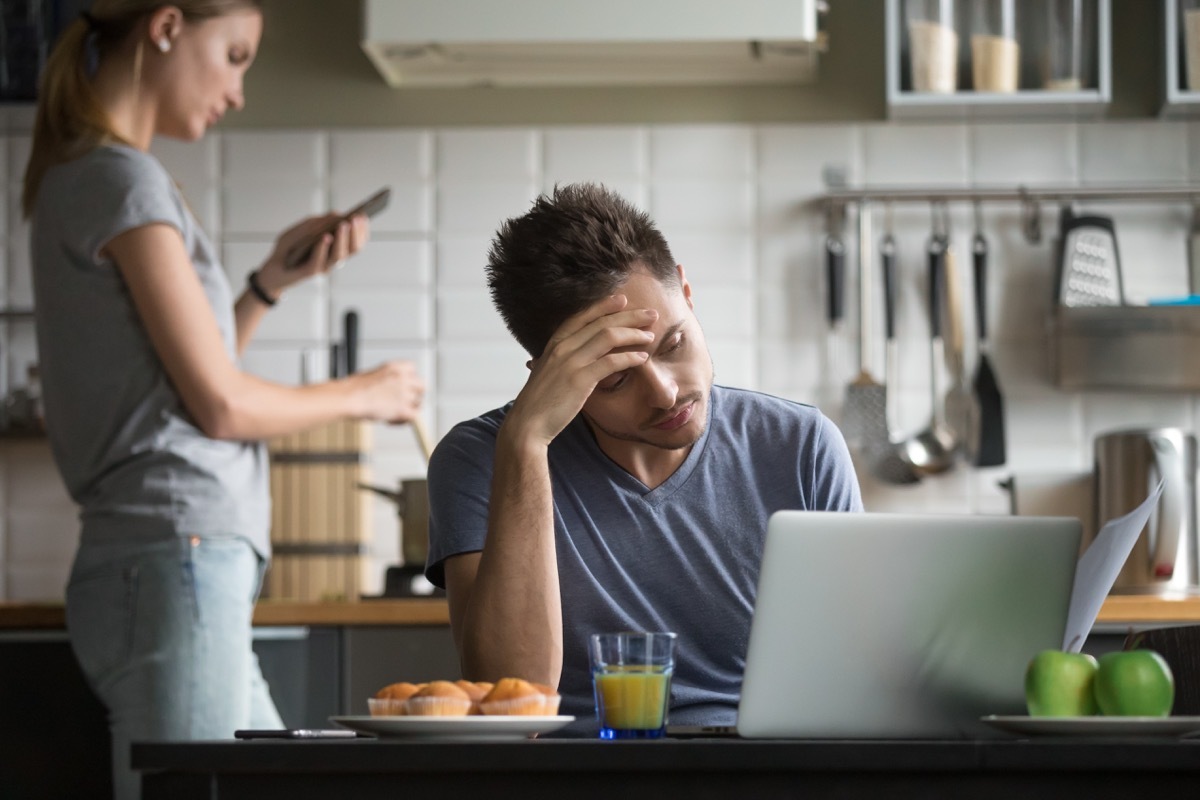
{"x":1126,"y":693}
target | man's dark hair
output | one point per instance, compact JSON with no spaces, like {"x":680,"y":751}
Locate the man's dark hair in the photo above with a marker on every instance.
{"x":575,"y":247}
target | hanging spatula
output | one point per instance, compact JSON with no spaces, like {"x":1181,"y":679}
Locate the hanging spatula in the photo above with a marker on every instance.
{"x":989,"y":444}
{"x":864,"y":414}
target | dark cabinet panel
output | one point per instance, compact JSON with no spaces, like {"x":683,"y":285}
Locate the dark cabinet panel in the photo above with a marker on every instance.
{"x":377,"y":656}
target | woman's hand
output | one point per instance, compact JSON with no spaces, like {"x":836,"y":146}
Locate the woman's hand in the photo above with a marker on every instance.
{"x":392,"y":392}
{"x":329,"y":252}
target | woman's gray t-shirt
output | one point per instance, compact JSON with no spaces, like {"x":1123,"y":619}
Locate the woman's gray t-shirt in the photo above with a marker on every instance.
{"x":130,"y":454}
{"x":681,"y":557}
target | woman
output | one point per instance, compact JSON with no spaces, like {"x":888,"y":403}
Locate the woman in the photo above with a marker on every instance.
{"x":153,"y":426}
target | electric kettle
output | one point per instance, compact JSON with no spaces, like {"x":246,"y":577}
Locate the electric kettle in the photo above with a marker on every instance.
{"x":1128,"y":465}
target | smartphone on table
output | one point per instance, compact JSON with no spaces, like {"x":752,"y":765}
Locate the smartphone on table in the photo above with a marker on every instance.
{"x":301,"y":251}
{"x":297,"y":733}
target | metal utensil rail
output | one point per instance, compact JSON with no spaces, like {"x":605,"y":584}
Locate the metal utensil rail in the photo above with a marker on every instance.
{"x":1031,"y":198}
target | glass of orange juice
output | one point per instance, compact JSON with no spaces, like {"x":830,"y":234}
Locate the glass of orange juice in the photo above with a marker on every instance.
{"x":631,"y":675}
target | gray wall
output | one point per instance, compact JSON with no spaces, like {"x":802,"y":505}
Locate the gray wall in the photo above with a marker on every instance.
{"x":312,"y":72}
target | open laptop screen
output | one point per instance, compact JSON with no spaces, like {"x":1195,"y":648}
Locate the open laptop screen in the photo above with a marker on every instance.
{"x":901,"y":625}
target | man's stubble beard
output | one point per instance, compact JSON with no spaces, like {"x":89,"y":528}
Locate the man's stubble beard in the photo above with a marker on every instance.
{"x":637,"y":438}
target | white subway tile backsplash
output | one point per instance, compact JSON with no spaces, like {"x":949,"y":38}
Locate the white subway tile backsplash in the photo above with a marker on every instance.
{"x":386,"y":264}
{"x":195,"y":166}
{"x":735,"y":362}
{"x":290,"y":365}
{"x":249,"y":158}
{"x":481,"y":369}
{"x":1110,"y":411}
{"x":595,"y":154}
{"x":711,"y":261}
{"x":1023,"y":153}
{"x":720,"y":152}
{"x":727,"y":312}
{"x":679,"y":206}
{"x":269,"y":207}
{"x":479,"y":208}
{"x":467,"y":315}
{"x":386,"y":314}
{"x":798,"y":155}
{"x":385,"y":156}
{"x":735,"y":203}
{"x":461,"y":261}
{"x":923,"y":155}
{"x":1133,"y":152}
{"x":795,"y":370}
{"x":489,"y":154}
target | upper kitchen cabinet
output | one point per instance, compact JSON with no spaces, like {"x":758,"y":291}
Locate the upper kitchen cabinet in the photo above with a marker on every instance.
{"x":1181,"y":58}
{"x":616,"y":42}
{"x":997,"y":58}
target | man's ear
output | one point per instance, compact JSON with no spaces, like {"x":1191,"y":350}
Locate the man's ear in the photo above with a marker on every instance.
{"x":685,"y":286}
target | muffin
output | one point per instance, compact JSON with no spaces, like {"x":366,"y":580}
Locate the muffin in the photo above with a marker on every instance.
{"x":514,"y":697}
{"x":476,"y":691}
{"x":439,"y":699}
{"x":550,"y":698}
{"x":390,"y":700}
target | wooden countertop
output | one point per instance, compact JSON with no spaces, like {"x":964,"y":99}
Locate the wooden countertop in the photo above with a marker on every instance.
{"x":407,"y":611}
{"x":1132,"y":609}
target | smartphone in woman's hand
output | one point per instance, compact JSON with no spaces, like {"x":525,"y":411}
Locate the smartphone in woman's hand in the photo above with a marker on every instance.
{"x":301,"y":251}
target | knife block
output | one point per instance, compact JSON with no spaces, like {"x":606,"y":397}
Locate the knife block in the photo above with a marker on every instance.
{"x":320,"y":521}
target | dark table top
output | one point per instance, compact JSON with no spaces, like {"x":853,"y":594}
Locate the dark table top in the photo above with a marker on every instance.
{"x":583,"y":755}
{"x":720,"y":769}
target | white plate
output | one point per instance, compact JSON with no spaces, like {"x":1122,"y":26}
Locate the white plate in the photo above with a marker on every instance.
{"x":481,"y":727}
{"x":1096,"y":726}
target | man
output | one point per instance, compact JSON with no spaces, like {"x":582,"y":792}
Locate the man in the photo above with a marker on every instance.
{"x":621,"y":490}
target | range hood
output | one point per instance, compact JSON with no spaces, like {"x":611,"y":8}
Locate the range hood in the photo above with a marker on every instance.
{"x":580,"y":42}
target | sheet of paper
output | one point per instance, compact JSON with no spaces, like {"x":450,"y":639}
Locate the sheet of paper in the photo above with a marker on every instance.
{"x":1098,"y":569}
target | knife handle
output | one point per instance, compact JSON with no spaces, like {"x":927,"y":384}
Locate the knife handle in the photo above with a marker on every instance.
{"x":350,"y":341}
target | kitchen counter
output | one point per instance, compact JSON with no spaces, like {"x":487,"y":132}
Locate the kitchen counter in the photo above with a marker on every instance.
{"x":407,"y":611}
{"x":1117,"y":610}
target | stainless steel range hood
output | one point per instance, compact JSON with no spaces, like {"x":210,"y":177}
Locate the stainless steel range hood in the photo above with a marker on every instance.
{"x":577,"y":42}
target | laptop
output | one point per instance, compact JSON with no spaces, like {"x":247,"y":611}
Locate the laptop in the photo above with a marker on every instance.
{"x":901,"y":625}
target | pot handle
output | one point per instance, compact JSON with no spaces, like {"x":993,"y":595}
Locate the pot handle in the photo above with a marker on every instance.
{"x":390,"y":494}
{"x":1169,"y":460}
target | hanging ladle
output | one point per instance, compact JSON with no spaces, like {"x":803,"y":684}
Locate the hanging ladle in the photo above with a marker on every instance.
{"x":933,"y":449}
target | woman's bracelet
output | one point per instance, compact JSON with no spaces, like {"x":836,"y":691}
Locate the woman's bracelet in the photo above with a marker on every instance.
{"x":258,"y":291}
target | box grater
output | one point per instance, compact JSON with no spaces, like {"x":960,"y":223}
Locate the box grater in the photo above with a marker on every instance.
{"x":1089,"y":269}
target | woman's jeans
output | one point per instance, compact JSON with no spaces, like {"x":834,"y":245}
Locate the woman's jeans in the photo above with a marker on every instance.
{"x":162,"y":630}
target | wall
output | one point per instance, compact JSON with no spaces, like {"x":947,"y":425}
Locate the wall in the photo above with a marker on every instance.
{"x":311,"y":72}
{"x":731,"y":199}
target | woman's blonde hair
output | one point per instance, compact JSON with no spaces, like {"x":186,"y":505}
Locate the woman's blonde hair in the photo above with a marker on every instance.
{"x":70,"y":120}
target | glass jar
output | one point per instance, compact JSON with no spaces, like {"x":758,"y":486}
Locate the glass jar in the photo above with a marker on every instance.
{"x":995,"y":52}
{"x":1065,"y":50}
{"x":932,"y":45}
{"x":1189,"y":26}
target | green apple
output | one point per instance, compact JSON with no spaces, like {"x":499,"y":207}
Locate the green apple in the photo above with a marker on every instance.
{"x":1134,"y":683}
{"x":1059,"y":684}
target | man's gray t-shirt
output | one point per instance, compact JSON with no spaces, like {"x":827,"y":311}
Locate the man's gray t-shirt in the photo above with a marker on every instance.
{"x":130,"y":454}
{"x":681,"y":557}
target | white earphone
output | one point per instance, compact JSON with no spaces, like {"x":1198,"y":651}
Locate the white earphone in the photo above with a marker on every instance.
{"x":164,"y":45}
